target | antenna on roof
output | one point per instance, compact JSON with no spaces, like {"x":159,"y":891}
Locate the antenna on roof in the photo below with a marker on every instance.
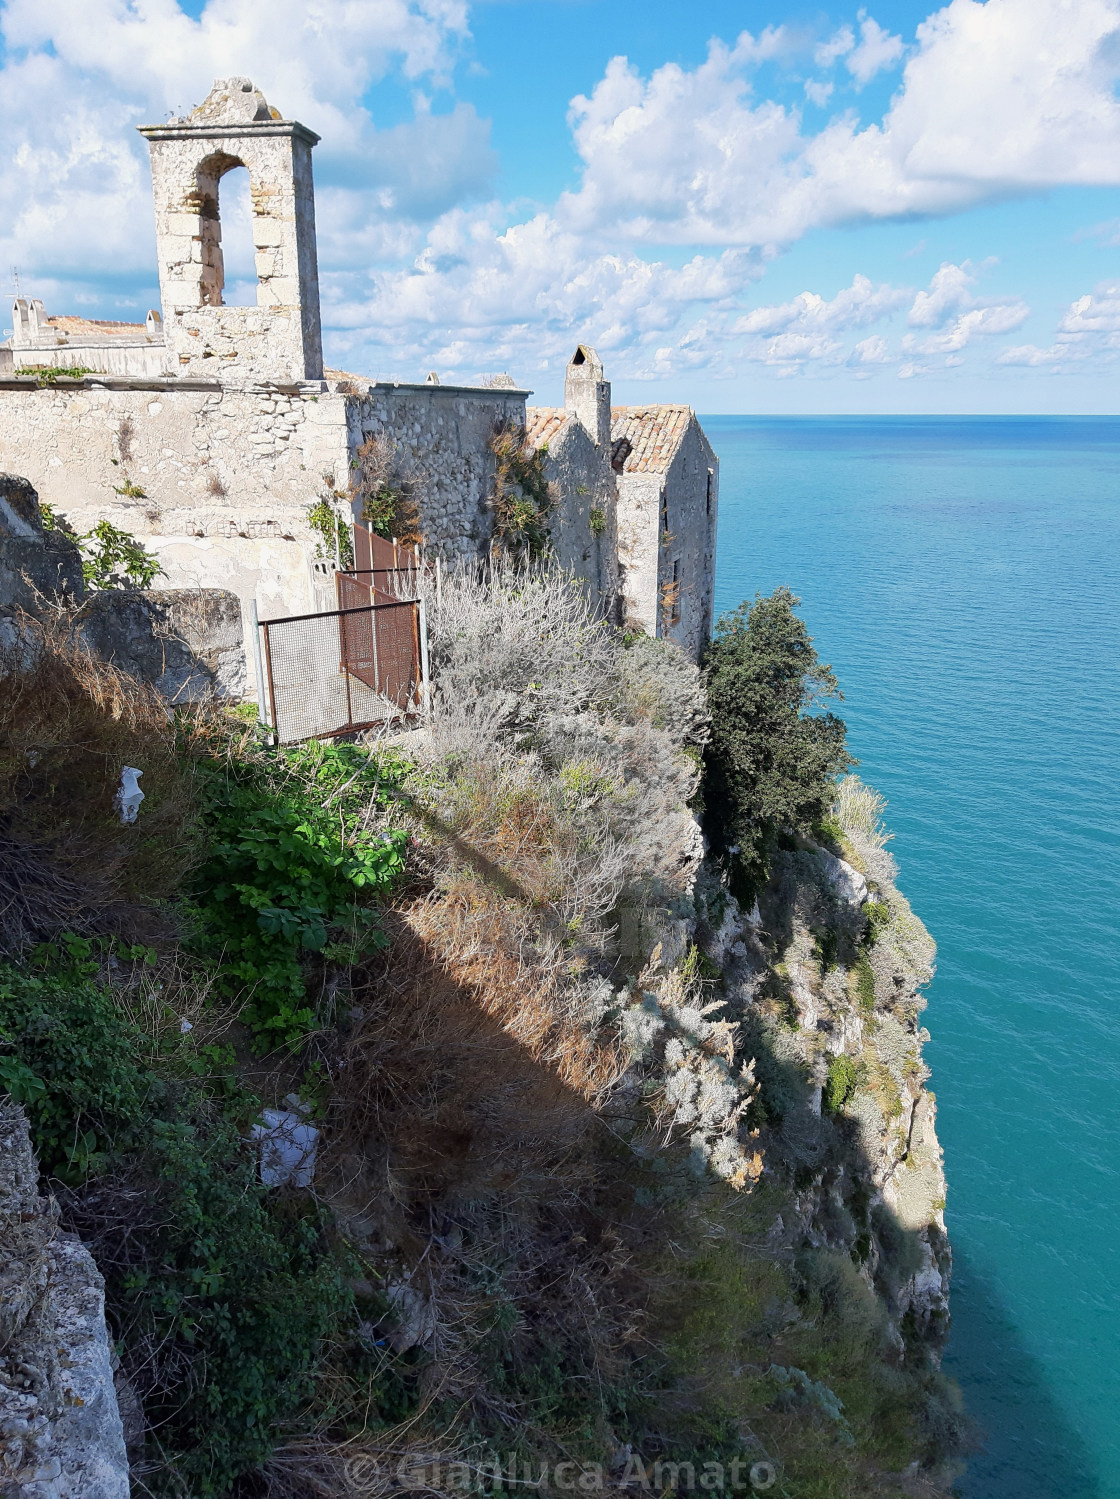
{"x":15,"y":278}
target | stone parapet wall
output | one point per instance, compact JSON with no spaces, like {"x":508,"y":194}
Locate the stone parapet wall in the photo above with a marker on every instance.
{"x":212,"y":460}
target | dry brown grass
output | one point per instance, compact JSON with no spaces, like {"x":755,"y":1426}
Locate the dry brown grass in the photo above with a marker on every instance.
{"x":465,"y":1151}
{"x":493,"y":953}
{"x":68,"y":723}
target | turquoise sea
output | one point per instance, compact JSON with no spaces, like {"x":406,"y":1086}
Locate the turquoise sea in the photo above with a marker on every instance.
{"x":963,"y":578}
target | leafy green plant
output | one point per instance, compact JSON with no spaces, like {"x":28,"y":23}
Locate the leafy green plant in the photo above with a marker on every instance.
{"x":205,"y":1270}
{"x":111,"y":558}
{"x":845,"y":1074}
{"x":130,"y":490}
{"x":288,"y":876}
{"x":773,"y":757}
{"x":335,"y":537}
{"x":52,"y":521}
{"x":50,"y":374}
{"x":597,"y":520}
{"x":522,"y":498}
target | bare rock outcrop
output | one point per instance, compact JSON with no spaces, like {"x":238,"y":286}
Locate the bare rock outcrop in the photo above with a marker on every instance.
{"x":60,"y":1429}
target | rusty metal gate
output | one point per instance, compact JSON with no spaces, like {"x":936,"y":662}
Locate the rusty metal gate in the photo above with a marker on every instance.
{"x":373,"y":585}
{"x":346,"y":670}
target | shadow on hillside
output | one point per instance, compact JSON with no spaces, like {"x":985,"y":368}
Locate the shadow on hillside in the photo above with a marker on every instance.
{"x":1029,"y":1447}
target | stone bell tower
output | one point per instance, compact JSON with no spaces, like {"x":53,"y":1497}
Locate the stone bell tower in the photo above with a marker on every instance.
{"x":279,"y":340}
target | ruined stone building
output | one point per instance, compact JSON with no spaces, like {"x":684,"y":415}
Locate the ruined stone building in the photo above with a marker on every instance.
{"x":209,"y":430}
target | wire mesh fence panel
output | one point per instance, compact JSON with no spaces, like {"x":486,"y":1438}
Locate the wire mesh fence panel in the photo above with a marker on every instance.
{"x":376,"y":585}
{"x":398,"y":652}
{"x":342,"y":671}
{"x":358,"y":632}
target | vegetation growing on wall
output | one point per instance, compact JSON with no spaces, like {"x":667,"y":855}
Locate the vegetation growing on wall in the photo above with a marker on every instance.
{"x":522,"y":499}
{"x":388,"y":499}
{"x":50,"y":374}
{"x":334,"y":539}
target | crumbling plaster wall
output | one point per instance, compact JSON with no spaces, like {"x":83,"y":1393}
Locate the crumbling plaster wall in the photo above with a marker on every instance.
{"x":692,"y":513}
{"x":228,"y":475}
{"x":639,"y":508}
{"x":583,"y":481}
{"x":212,"y":460}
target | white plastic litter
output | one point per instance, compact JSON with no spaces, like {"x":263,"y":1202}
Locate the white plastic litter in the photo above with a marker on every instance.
{"x":287,"y":1145}
{"x":129,"y":796}
{"x":185,"y":1025}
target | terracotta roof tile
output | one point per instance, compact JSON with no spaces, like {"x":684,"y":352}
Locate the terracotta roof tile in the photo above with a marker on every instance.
{"x":645,"y":439}
{"x":84,"y":327}
{"x":543,"y":425}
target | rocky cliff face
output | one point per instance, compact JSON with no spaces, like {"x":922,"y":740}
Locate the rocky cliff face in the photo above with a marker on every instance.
{"x":60,"y":1429}
{"x":825,"y":975}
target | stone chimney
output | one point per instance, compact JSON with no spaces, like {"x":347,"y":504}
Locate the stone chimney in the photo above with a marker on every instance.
{"x":587,"y":396}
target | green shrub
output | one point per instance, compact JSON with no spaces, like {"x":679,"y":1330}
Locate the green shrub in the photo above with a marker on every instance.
{"x":219,"y":1292}
{"x":865,"y":984}
{"x":772,"y":758}
{"x":878,"y":914}
{"x":79,"y":1071}
{"x":597,"y":519}
{"x":845,"y":1074}
{"x":289,"y":873}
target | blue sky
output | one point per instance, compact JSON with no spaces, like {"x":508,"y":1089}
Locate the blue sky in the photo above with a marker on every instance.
{"x":751,"y":207}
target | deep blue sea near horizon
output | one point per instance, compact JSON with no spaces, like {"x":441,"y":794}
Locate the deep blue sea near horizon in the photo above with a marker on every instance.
{"x":963,"y":578}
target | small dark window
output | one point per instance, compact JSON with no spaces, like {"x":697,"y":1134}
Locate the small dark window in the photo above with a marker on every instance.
{"x":674,"y":599}
{"x":664,"y":512}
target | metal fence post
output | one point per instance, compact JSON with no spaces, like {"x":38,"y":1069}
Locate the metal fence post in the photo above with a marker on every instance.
{"x":262,"y":701}
{"x":425,"y":679}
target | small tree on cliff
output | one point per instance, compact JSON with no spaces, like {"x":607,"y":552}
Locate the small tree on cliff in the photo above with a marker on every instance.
{"x":773,"y":755}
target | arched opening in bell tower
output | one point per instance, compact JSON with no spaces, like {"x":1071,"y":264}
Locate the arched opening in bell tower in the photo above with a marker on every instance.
{"x":229,"y":272}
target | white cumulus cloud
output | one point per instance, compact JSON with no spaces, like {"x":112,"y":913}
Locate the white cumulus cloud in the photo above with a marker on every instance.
{"x":1088,"y":330}
{"x":690,"y":179}
{"x":877,"y":50}
{"x":855,"y":306}
{"x":998,"y":98}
